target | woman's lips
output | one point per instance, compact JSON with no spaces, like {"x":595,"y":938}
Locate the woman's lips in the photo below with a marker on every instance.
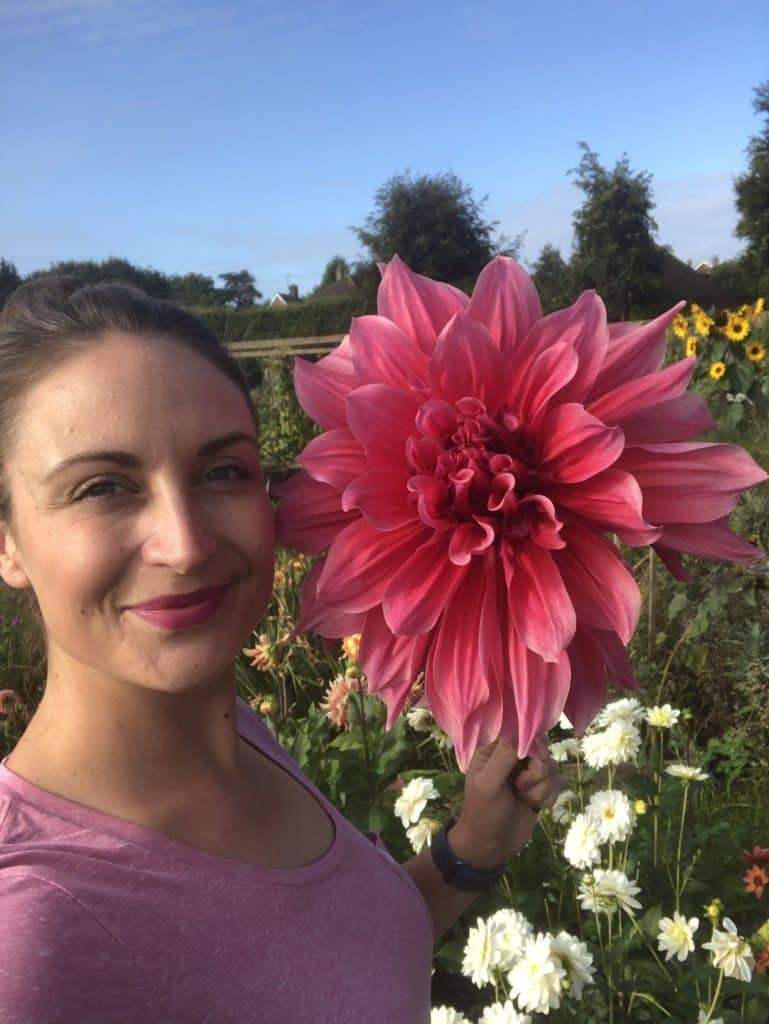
{"x":170,"y":613}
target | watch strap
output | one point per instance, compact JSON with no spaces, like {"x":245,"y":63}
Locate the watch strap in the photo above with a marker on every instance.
{"x":457,"y":872}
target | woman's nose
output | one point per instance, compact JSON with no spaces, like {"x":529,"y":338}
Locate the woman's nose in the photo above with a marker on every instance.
{"x":178,"y":533}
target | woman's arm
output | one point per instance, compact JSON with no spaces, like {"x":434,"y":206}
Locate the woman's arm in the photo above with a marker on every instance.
{"x":497,"y":820}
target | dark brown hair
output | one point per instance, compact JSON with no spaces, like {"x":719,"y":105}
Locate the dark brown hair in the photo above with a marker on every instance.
{"x":51,"y":317}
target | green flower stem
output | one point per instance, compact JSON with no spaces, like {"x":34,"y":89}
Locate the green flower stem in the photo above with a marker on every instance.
{"x":650,"y":947}
{"x":711,"y":1009}
{"x":665,"y":670}
{"x":680,"y":844}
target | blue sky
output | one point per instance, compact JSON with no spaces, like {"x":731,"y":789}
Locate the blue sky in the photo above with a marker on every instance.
{"x":202,"y":136}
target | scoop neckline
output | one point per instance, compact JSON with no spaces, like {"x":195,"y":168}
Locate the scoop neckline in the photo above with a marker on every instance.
{"x":158,"y":842}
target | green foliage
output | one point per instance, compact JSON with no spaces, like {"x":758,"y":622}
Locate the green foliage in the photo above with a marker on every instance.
{"x":553,"y":278}
{"x":192,"y":290}
{"x":9,"y":280}
{"x":284,"y":428}
{"x":239,"y":290}
{"x":336,"y":268}
{"x":154,"y":282}
{"x":615,"y":251}
{"x":752,"y":193}
{"x":435,"y":225}
{"x":297,"y":320}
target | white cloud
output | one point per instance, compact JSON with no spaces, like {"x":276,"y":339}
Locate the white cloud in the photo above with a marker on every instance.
{"x":95,"y":22}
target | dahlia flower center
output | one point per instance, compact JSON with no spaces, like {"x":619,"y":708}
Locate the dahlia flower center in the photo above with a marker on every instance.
{"x":472,"y":469}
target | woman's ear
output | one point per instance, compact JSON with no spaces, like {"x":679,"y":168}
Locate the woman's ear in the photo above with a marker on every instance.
{"x":11,"y":567}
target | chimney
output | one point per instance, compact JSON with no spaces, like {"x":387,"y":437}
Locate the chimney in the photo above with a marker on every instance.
{"x":293,"y":292}
{"x":338,"y":272}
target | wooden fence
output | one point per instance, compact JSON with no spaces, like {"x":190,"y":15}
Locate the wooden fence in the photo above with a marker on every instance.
{"x":320,"y":344}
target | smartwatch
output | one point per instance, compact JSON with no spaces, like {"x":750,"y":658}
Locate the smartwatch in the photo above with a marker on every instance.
{"x":458,"y":873}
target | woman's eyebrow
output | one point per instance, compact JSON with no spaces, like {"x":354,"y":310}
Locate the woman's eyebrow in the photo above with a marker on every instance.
{"x":127,"y":459}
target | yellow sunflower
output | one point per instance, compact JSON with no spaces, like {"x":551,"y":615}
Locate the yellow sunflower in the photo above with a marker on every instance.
{"x":759,"y":307}
{"x":702,"y":324}
{"x":755,"y":351}
{"x":680,"y":327}
{"x":717,"y":370}
{"x":691,"y":345}
{"x":737,"y":329}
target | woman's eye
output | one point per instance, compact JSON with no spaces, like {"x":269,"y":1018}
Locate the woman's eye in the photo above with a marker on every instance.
{"x":97,"y":489}
{"x":236,"y":470}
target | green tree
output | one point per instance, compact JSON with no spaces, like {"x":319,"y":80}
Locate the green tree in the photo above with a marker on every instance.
{"x":553,"y":278}
{"x":239,"y":289}
{"x":9,"y":280}
{"x":193,"y":290}
{"x":752,"y":195}
{"x":615,"y":251}
{"x":336,"y":268}
{"x":154,"y":282}
{"x":434,"y":223}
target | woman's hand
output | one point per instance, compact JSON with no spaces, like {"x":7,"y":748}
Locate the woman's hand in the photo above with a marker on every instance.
{"x":500,"y":805}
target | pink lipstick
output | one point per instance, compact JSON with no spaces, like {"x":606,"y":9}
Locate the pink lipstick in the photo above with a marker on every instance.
{"x":181,"y":611}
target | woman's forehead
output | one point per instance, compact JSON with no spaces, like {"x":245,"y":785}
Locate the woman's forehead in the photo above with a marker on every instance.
{"x":131,"y":388}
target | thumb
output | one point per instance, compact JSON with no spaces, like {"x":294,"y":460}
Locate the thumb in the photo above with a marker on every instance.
{"x":504,"y":765}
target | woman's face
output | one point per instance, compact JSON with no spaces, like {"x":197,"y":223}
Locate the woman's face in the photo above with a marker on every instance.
{"x":135,"y":475}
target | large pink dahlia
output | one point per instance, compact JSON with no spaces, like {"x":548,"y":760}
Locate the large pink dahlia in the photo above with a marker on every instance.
{"x":475,"y":456}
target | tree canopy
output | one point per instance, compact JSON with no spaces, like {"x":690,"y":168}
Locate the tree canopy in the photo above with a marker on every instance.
{"x":238,"y":290}
{"x":554,"y":279}
{"x":9,"y":280}
{"x":614,"y":250}
{"x":752,"y":194}
{"x":435,"y":224}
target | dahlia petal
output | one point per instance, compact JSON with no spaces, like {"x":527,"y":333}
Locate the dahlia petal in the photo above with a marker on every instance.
{"x":540,"y":687}
{"x":382,"y":419}
{"x":588,"y":674}
{"x":382,"y":498}
{"x":382,"y":354}
{"x":672,"y":562}
{"x":320,"y":617}
{"x":333,"y":458}
{"x":618,"y":668}
{"x":690,"y":482}
{"x":714,"y":540}
{"x":611,"y":499}
{"x":583,"y":328}
{"x":422,"y":586}
{"x":575,"y":445}
{"x":633,"y":352}
{"x":544,"y":525}
{"x":362,"y":561}
{"x":391,"y":663}
{"x":680,"y":419}
{"x":505,"y":299}
{"x":466,"y":363}
{"x":603,"y":591}
{"x":309,"y":515}
{"x":536,"y":382}
{"x":643,"y":392}
{"x":419,"y":306}
{"x":539,"y":604}
{"x":469,"y":539}
{"x":321,"y":387}
{"x":454,"y":684}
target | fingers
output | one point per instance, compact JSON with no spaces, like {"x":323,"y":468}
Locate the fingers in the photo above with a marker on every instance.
{"x":539,"y":784}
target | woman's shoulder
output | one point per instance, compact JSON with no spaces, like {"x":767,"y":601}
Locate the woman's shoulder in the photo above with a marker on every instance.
{"x":60,"y":962}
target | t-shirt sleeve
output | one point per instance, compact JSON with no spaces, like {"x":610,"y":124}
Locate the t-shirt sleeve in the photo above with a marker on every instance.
{"x":59,"y":964}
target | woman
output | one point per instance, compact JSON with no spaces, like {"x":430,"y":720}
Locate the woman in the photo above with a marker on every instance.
{"x":161,"y":858}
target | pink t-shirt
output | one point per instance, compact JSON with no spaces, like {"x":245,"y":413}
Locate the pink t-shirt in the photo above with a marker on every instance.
{"x":105,"y":922}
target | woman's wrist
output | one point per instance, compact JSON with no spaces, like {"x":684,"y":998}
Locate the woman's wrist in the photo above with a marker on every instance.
{"x":465,"y":845}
